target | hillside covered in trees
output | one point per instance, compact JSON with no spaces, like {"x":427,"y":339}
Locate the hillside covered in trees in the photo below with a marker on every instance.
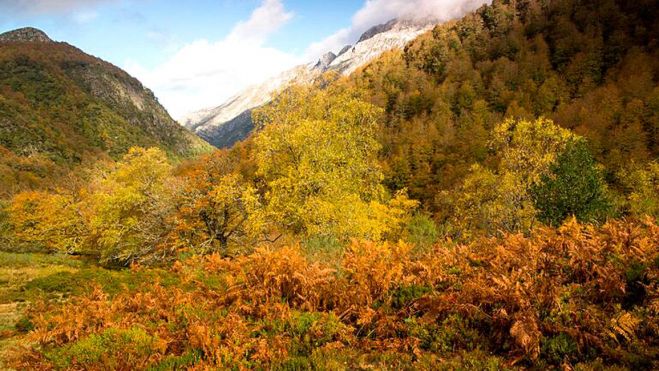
{"x":485,"y":198}
{"x":589,"y":66}
{"x":61,"y":108}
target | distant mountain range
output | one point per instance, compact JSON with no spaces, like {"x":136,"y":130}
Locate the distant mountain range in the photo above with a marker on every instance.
{"x":231,"y":121}
{"x":60,"y":107}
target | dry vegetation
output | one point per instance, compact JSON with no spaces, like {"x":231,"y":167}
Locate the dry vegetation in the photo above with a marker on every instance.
{"x":579,"y":295}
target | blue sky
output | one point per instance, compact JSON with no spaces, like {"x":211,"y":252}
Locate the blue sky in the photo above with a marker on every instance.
{"x":148,"y":30}
{"x":197,"y":53}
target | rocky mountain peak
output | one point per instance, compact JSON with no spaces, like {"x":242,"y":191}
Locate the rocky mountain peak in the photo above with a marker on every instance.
{"x":344,"y":50}
{"x":26,"y":34}
{"x":231,"y":121}
{"x":377,"y":30}
{"x":397,"y":24}
{"x":325,"y":61}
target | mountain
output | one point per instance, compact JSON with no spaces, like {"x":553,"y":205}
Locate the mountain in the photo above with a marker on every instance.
{"x":60,"y":107}
{"x":589,"y":66}
{"x":231,"y":121}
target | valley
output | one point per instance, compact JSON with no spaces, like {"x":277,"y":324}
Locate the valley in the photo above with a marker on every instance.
{"x":477,"y":192}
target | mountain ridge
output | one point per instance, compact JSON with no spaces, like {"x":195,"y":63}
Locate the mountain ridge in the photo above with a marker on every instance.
{"x":61,"y":107}
{"x":229,"y":122}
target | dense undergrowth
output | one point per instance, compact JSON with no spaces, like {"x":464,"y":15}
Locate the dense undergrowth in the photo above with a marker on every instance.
{"x":577,"y":296}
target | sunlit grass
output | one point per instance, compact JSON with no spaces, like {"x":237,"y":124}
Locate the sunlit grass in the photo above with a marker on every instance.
{"x":17,"y":271}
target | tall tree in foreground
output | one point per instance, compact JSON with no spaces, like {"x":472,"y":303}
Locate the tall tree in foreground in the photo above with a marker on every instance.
{"x":317,"y":153}
{"x":218,"y":207}
{"x":128,"y":208}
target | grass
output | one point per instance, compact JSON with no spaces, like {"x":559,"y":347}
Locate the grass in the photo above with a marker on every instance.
{"x":27,"y":277}
{"x":21,"y":260}
{"x":16,"y":272}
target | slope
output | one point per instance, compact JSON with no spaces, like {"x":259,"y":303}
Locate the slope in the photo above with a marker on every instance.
{"x":60,"y":107}
{"x":591,"y":67}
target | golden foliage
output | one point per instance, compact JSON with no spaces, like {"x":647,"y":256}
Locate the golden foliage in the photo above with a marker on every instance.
{"x":555,"y":298}
{"x":317,"y":153}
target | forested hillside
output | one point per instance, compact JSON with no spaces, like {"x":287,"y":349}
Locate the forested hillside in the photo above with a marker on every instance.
{"x":485,"y":198}
{"x":590,"y":66}
{"x":60,"y":108}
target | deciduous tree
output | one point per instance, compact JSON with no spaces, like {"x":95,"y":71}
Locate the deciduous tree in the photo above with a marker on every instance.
{"x":317,"y":153}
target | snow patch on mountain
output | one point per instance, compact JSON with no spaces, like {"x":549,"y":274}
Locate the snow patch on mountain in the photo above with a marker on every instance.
{"x":229,"y":122}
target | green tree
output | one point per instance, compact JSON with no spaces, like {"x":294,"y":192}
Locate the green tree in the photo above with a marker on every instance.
{"x":574,"y":186}
{"x":499,"y":199}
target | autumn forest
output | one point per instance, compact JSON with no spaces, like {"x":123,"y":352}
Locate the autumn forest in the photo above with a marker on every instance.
{"x":485,"y":198}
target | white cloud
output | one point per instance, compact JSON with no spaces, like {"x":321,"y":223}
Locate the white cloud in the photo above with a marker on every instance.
{"x":376,"y":12}
{"x":265,"y":19}
{"x":204,"y":73}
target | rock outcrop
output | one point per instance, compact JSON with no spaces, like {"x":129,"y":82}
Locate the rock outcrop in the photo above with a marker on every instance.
{"x":27,"y":34}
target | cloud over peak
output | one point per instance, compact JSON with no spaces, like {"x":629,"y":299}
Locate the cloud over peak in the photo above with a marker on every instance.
{"x":379,"y":11}
{"x":376,"y":12}
{"x":204,"y":73}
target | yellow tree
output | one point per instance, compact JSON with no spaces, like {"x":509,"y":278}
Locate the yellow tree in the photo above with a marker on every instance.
{"x":128,"y":208}
{"x":46,"y":221}
{"x":642,"y":186}
{"x":218,"y":207}
{"x":490,"y":201}
{"x":317,"y":153}
{"x":219,"y":216}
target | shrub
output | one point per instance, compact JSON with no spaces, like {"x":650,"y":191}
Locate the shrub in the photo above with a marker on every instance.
{"x":113,"y":349}
{"x":559,"y":296}
{"x":422,"y":232}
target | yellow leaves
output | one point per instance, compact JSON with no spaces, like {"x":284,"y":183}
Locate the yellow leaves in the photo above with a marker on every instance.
{"x":625,"y":325}
{"x":643,"y":186}
{"x":528,"y":148}
{"x":219,"y":208}
{"x":121,"y":216}
{"x":48,"y":220}
{"x":318,"y":154}
{"x":127,"y":209}
{"x":526,"y":334}
{"x":141,"y":168}
{"x":490,"y":201}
